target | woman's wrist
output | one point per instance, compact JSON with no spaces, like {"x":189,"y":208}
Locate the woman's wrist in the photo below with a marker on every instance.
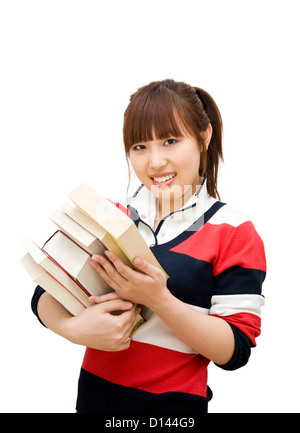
{"x":70,"y":330}
{"x":162,"y":302}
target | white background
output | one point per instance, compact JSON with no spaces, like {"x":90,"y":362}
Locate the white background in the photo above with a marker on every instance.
{"x":67,"y":71}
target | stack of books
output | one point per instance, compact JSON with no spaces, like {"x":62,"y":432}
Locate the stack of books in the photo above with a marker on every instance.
{"x":86,"y":227}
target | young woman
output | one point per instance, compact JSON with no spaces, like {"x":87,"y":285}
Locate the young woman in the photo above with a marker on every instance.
{"x":209,"y":307}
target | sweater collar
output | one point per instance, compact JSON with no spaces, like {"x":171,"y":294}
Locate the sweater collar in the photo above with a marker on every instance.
{"x":145,"y":204}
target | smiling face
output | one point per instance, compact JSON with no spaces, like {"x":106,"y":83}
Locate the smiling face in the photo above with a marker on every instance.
{"x":168,"y":167}
{"x":166,"y":133}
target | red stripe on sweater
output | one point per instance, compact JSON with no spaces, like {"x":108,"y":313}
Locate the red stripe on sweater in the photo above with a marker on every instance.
{"x":150,"y":368}
{"x":249,"y":324}
{"x":225,"y":246}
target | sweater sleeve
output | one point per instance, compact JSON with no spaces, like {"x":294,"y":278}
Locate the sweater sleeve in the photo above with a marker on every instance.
{"x":34,"y":301}
{"x":239,"y":274}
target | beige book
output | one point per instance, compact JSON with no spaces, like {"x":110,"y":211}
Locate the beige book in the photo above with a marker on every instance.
{"x":57,"y":290}
{"x":77,"y":232}
{"x":115,"y":222}
{"x":94,"y":228}
{"x":76,"y":262}
{"x":57,"y":272}
{"x":52,"y":286}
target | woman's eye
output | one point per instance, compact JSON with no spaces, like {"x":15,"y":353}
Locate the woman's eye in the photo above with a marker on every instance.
{"x":170,"y":141}
{"x":138,"y":147}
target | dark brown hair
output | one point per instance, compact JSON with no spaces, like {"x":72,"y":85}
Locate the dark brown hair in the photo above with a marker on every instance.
{"x":164,"y":109}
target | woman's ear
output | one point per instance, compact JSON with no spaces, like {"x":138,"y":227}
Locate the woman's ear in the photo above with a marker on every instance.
{"x":207,"y":135}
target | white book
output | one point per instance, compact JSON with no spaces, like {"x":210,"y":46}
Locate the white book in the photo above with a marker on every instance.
{"x":52,"y":286}
{"x":56,"y":272}
{"x":76,"y":262}
{"x":77,"y":232}
{"x":115,"y":222}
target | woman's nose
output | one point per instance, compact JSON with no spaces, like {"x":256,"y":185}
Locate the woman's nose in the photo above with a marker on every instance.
{"x":157,"y":160}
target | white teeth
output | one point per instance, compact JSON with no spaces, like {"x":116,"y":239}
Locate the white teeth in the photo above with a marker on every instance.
{"x":164,"y":178}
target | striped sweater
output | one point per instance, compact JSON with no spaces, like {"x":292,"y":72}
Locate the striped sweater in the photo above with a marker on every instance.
{"x":216,"y":263}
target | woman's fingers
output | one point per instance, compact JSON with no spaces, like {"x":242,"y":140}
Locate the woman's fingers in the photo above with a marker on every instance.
{"x":107,"y":271}
{"x":129,"y":319}
{"x":115,"y":305}
{"x":103,"y":298}
{"x":125,"y":271}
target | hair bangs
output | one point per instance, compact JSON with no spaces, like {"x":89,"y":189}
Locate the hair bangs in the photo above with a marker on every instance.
{"x":155,"y":115}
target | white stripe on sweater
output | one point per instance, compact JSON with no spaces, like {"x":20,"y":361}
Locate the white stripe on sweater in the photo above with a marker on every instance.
{"x":155,"y":331}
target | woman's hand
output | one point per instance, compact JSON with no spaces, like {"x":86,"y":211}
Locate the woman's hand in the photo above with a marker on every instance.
{"x":145,"y":287}
{"x":97,"y":328}
{"x":210,"y":336}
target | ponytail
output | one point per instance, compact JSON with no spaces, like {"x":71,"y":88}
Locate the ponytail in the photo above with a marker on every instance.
{"x":210,"y":159}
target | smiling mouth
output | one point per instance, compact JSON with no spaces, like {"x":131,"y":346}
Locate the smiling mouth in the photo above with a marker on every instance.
{"x":163,"y":179}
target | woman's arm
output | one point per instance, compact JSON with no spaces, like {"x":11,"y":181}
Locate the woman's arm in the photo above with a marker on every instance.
{"x":94,"y":327}
{"x":210,"y":336}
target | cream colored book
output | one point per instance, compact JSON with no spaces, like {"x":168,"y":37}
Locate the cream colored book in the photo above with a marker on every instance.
{"x":57,"y":290}
{"x":115,"y":222}
{"x":77,"y":232}
{"x":95,"y":229}
{"x":76,"y":262}
{"x":57,"y":272}
{"x":52,"y":286}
